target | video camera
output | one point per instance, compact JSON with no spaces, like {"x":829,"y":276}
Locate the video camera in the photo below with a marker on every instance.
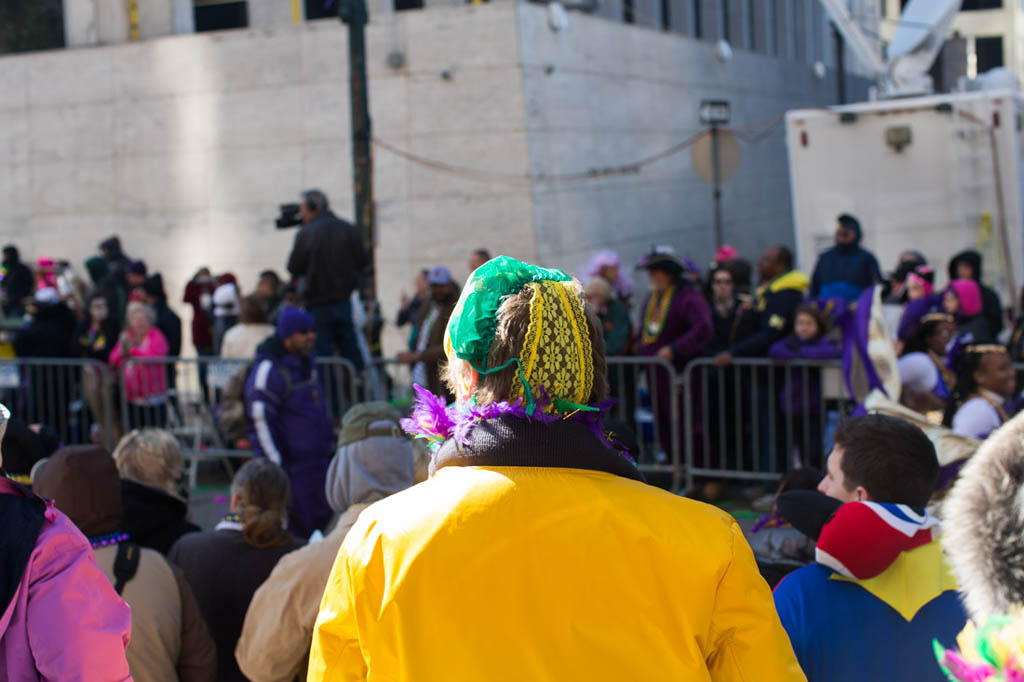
{"x":289,"y":217}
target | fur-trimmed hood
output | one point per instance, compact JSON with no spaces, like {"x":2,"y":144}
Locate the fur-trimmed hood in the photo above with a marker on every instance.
{"x":983,"y":522}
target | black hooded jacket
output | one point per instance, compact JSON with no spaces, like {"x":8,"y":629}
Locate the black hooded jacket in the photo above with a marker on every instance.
{"x":845,"y":270}
{"x":991,"y":306}
{"x":49,"y":335}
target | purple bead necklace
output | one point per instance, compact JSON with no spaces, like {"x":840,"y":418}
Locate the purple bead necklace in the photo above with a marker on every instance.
{"x":107,"y":540}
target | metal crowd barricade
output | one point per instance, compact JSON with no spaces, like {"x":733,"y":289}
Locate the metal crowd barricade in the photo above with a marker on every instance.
{"x":343,"y":385}
{"x":192,"y":399}
{"x":647,"y":399}
{"x":74,"y":397}
{"x":758,"y":418}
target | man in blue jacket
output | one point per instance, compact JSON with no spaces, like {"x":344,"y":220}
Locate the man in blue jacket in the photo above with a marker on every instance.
{"x":879,"y":589}
{"x":847,"y":269}
{"x":289,"y":423}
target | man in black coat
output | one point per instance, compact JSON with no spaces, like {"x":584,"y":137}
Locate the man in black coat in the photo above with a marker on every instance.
{"x":17,"y":282}
{"x":328,"y":256}
{"x":167,"y":321}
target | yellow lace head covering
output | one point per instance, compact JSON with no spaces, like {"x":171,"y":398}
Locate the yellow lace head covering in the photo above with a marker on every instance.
{"x":557,"y":353}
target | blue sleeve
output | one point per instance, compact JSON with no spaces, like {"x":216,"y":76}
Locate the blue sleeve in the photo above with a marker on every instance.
{"x":790,"y":607}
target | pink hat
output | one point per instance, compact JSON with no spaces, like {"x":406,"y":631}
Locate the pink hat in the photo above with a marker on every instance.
{"x":969,"y":293}
{"x":928,"y":287}
{"x":726,"y":253}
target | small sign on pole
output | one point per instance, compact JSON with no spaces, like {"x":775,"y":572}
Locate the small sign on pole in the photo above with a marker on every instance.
{"x":714,"y":112}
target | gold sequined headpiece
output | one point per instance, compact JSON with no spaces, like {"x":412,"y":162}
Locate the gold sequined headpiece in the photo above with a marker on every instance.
{"x":986,"y":348}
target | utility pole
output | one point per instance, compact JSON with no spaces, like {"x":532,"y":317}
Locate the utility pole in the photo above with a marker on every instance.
{"x":354,"y":14}
{"x":715,"y":113}
{"x":717,"y":185}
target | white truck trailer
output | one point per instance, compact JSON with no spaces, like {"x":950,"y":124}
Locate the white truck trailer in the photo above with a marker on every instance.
{"x":936,"y":174}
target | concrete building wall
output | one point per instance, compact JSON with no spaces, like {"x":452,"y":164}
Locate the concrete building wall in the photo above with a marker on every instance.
{"x":186,"y":145}
{"x":600,"y":95}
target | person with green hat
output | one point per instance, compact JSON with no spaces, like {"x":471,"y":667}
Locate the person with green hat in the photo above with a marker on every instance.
{"x":536,"y":550}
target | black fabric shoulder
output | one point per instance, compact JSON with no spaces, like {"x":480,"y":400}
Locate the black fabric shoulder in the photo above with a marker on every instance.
{"x":23,"y":517}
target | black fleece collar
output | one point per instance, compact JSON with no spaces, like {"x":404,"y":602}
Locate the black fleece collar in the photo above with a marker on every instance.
{"x":511,"y":442}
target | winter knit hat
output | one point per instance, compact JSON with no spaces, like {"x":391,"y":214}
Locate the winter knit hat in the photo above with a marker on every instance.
{"x":293,"y":320}
{"x":82,"y":481}
{"x":137,"y":268}
{"x":374,"y":459}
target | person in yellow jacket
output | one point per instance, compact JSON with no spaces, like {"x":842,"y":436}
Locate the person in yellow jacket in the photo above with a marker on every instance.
{"x":536,"y":551}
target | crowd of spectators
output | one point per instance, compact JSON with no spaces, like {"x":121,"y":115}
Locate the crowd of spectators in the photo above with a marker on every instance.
{"x":313,"y":570}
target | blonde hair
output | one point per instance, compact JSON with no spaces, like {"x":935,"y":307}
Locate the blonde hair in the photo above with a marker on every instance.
{"x":262,"y":490}
{"x":150,"y":457}
{"x":513,"y":322}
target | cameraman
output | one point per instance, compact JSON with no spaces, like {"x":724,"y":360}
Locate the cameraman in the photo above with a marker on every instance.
{"x":328,"y":255}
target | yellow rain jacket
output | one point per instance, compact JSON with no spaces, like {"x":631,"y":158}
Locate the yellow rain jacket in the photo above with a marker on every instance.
{"x":530,"y":574}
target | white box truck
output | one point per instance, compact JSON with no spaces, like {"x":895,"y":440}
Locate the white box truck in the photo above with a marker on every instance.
{"x":936,"y":174}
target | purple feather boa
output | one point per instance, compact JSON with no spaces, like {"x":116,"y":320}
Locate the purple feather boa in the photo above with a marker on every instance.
{"x":435,"y":421}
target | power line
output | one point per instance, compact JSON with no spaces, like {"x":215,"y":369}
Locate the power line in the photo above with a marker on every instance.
{"x":751,"y":133}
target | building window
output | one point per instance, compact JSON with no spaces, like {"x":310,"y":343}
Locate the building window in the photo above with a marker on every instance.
{"x":31,"y":25}
{"x":980,"y":4}
{"x":989,"y":52}
{"x":322,"y":9}
{"x":799,"y":24}
{"x":779,"y":28}
{"x":217,"y":15}
{"x":755,"y":25}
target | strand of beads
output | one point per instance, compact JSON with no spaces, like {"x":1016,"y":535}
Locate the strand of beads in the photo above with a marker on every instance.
{"x":107,"y":540}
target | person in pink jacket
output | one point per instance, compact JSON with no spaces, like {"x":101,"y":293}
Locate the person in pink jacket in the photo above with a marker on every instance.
{"x":145,"y":384}
{"x":62,"y":621}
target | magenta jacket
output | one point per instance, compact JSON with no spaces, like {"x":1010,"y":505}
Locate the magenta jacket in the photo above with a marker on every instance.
{"x":143,"y":380}
{"x":65,"y":622}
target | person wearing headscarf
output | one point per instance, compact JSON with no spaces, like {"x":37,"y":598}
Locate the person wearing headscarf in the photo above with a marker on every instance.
{"x":226,"y":565}
{"x":49,"y":583}
{"x":962,"y":299}
{"x":967,"y":265}
{"x":170,"y":640}
{"x":845,"y":270}
{"x":525,"y":542}
{"x":374,"y":460}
